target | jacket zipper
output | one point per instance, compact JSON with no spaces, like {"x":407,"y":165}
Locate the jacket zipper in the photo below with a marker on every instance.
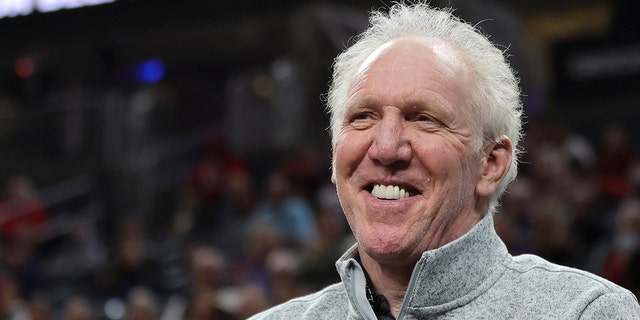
{"x":405,"y":301}
{"x":358,"y":286}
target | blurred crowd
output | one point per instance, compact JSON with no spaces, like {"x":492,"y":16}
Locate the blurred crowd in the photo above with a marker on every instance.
{"x":240,"y":241}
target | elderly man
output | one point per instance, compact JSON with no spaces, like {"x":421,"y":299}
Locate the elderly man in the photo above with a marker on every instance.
{"x":425,"y":123}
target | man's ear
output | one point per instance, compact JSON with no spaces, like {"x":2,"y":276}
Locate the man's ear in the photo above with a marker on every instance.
{"x":495,"y":165}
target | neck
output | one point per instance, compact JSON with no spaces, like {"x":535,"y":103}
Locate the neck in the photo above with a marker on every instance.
{"x":389,"y":281}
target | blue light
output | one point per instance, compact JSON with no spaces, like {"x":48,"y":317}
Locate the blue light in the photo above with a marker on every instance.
{"x":150,"y":71}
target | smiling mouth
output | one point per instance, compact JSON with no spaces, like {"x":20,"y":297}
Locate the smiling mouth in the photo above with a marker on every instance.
{"x":390,"y":192}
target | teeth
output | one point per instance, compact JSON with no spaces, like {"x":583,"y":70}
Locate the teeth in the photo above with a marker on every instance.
{"x":389,"y":192}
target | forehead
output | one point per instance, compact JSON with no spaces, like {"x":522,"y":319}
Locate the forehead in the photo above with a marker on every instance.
{"x":411,"y":69}
{"x":416,"y":50}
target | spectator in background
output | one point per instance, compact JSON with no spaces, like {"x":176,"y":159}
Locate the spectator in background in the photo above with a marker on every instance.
{"x":132,"y":265}
{"x":12,"y":304}
{"x":208,"y":272}
{"x":23,"y":217}
{"x":614,"y":161}
{"x":331,"y":240}
{"x":78,"y":308}
{"x":207,"y":268}
{"x":216,"y":199}
{"x":292,"y":215}
{"x":205,"y":187}
{"x":23,"y":228}
{"x":40,"y":308}
{"x":624,"y":244}
{"x":252,"y":300}
{"x":305,"y":170}
{"x":552,"y":216}
{"x":142,"y":304}
{"x":261,"y":240}
{"x":514,"y":224}
{"x":204,"y":305}
{"x":283,"y":266}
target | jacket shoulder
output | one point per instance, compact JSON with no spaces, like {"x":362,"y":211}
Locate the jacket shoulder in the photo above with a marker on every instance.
{"x":553,"y":274}
{"x":329,"y":303}
{"x":567,"y":290}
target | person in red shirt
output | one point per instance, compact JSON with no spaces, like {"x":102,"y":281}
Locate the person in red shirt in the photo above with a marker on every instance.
{"x":22,"y":213}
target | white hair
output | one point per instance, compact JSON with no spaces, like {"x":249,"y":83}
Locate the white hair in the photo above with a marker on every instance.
{"x":494,"y":99}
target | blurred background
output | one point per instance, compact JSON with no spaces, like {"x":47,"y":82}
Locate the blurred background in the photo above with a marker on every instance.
{"x":170,"y":159}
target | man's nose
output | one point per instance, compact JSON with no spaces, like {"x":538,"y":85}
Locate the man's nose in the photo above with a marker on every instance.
{"x":390,"y":143}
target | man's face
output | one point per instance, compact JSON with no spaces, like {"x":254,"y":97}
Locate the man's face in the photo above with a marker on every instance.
{"x":404,"y":163}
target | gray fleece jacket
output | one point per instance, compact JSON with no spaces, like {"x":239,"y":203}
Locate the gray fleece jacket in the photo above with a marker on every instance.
{"x":473,"y":277}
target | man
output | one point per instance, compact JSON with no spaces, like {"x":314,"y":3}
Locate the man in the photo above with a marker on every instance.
{"x":425,"y":123}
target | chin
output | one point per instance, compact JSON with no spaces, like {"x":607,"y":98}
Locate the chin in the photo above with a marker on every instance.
{"x":387,"y":250}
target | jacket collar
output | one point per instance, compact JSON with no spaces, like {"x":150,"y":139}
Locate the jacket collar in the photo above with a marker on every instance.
{"x":446,"y":277}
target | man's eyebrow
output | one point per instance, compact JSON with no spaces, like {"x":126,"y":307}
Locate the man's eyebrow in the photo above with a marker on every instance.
{"x":373,"y":102}
{"x":356,"y":101}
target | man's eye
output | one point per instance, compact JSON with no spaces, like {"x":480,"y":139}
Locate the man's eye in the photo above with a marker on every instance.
{"x":423,"y":118}
{"x":426,"y":121}
{"x":361,"y":120}
{"x":361,"y":116}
